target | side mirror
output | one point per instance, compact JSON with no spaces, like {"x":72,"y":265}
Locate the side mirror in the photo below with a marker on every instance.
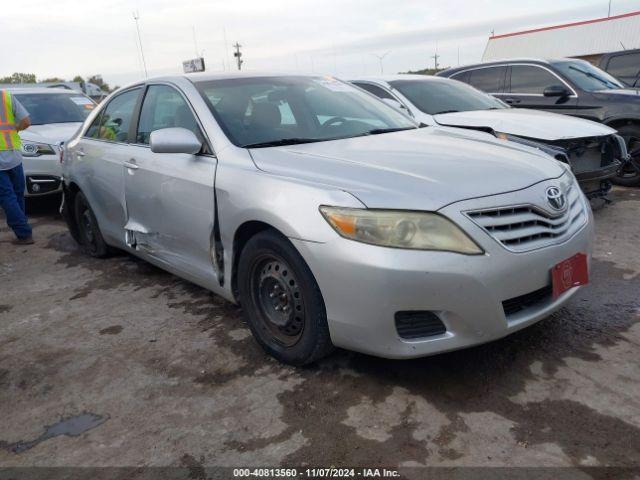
{"x":174,"y":140}
{"x":392,"y":102}
{"x":556,"y":91}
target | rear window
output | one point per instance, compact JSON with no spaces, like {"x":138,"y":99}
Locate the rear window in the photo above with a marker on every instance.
{"x":47,"y":108}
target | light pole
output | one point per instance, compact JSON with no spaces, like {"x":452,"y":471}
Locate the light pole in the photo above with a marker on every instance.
{"x":380,"y":58}
{"x":136,"y":17}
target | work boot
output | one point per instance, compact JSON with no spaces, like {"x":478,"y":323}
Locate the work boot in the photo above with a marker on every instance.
{"x":23,"y":241}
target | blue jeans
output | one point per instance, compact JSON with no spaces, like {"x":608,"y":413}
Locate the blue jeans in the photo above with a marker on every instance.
{"x":12,"y":200}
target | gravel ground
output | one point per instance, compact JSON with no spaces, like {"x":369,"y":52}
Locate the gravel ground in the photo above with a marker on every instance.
{"x":117,"y":363}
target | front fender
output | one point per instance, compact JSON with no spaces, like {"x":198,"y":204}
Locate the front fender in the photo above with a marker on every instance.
{"x":286,"y":204}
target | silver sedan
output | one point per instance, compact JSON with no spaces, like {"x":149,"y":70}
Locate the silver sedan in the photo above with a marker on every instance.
{"x":332,"y":218}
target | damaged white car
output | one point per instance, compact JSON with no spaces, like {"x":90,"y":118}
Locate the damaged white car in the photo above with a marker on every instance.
{"x":594,"y":151}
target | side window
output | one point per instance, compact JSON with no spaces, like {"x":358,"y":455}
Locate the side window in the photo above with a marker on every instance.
{"x":116,"y":117}
{"x":377,"y":91}
{"x":530,"y":79}
{"x":164,"y":107}
{"x":625,"y":67}
{"x":488,"y":79}
{"x":94,"y":128}
{"x":461,"y":77}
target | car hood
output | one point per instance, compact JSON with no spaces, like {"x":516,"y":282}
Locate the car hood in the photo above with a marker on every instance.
{"x":526,"y":123}
{"x":51,"y":133}
{"x":422,"y":169}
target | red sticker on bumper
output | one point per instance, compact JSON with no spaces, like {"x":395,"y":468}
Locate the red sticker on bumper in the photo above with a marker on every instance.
{"x":569,"y":273}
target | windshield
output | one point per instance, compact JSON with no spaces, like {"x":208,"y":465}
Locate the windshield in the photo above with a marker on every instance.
{"x":587,"y":77}
{"x":445,"y":96}
{"x":46,"y":108}
{"x":267,"y":111}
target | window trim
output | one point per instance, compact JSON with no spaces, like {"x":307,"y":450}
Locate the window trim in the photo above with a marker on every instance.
{"x":184,"y":97}
{"x":101,"y":113}
{"x":511,"y":64}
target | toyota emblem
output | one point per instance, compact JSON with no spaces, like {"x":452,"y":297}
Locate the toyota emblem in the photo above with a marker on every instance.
{"x":556,"y":198}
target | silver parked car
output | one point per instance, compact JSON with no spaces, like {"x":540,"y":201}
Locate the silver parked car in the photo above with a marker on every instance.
{"x":331,"y":217}
{"x":56,"y":114}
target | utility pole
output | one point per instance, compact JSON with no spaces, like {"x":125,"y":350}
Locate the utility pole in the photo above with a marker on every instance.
{"x":609,"y":12}
{"x":136,"y":17}
{"x":238,"y":55}
{"x":380,"y":58}
{"x":435,"y":61}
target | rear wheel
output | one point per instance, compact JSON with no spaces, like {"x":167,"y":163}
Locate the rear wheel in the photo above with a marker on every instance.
{"x":89,"y":235}
{"x":281,"y":301}
{"x":629,"y":176}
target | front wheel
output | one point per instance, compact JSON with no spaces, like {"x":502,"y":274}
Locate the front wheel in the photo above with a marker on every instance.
{"x":281,"y":301}
{"x":629,"y":176}
{"x":89,"y":234}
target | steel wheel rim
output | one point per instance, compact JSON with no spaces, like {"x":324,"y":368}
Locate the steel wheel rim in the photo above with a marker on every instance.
{"x":278,"y":299}
{"x":88,"y":230}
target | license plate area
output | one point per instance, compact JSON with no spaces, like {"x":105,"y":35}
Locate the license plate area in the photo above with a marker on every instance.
{"x":569,"y":273}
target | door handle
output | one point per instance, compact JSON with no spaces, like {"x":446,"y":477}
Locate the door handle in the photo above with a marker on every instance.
{"x":131,"y":164}
{"x":512,"y":101}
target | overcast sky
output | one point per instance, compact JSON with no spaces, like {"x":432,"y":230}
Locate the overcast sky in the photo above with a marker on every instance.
{"x":340,"y":37}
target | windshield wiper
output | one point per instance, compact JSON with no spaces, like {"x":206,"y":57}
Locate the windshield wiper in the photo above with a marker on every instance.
{"x":377,"y":131}
{"x":596,"y":77}
{"x":446,"y":111}
{"x":282,"y":142}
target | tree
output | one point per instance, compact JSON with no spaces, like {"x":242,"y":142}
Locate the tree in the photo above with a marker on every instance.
{"x":425,"y":71}
{"x":97,"y":79}
{"x":78,"y":79}
{"x":19,"y":78}
{"x":53,"y":80}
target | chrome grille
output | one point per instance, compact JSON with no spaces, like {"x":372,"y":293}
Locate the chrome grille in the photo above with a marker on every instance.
{"x":522,"y":228}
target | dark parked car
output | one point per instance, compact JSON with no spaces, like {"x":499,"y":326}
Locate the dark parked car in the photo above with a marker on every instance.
{"x":569,"y":86}
{"x":624,"y":65}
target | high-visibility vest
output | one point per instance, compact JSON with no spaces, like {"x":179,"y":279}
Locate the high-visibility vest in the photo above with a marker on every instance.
{"x":9,"y":138}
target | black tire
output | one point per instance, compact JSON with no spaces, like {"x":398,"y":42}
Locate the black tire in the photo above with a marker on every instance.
{"x":272,"y":274}
{"x":629,"y":177}
{"x":89,"y":234}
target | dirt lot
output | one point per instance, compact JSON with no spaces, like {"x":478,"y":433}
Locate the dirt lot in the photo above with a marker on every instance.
{"x":116,"y":363}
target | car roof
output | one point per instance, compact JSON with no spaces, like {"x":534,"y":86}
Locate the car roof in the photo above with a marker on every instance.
{"x":539,"y":61}
{"x":39,"y":90}
{"x":399,"y":76}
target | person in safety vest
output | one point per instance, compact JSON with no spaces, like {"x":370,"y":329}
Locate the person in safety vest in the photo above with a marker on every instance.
{"x":13,"y":118}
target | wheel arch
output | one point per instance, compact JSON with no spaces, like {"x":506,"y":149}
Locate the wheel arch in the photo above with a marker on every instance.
{"x":617,"y":122}
{"x":242,"y":235}
{"x":70,"y":191}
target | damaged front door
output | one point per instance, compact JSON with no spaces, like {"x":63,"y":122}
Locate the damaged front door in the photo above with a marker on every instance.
{"x":169,"y":196}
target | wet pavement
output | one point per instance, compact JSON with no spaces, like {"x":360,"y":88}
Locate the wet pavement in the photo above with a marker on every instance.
{"x":117,"y":363}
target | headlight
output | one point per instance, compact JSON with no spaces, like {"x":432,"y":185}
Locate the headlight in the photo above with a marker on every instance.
{"x":32,"y":149}
{"x":554,"y":151}
{"x":400,"y":229}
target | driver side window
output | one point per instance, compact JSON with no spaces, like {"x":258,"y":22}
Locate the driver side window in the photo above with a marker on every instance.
{"x":113,"y":124}
{"x":165,"y":107}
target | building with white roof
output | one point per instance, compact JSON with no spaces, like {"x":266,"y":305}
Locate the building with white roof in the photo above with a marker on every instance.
{"x":587,"y":39}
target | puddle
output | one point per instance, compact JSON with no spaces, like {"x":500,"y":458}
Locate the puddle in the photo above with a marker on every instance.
{"x":71,"y":427}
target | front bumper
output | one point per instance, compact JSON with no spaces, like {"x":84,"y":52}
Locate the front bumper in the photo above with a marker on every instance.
{"x":43,"y":175}
{"x":364,"y":287}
